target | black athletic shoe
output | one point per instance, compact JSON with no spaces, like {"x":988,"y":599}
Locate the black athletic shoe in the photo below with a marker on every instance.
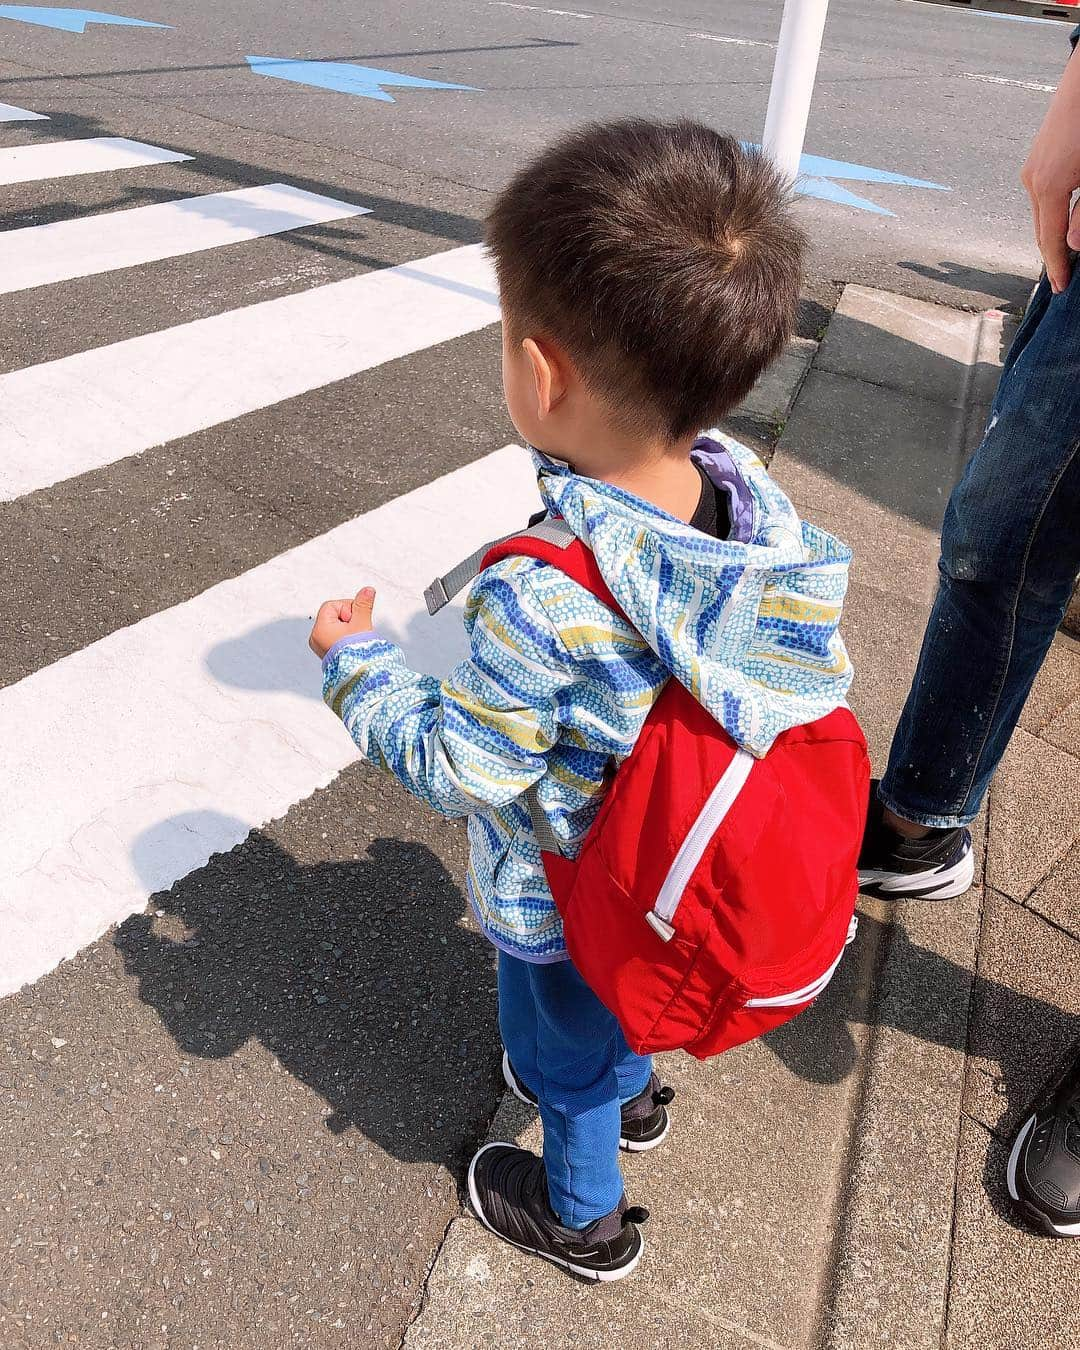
{"x":939,"y":866}
{"x":1044,"y":1166}
{"x":508,"y":1190}
{"x":645,"y":1120}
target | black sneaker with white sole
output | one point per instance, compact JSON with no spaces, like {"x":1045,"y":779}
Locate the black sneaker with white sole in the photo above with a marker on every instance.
{"x":508,"y":1192}
{"x":1044,"y":1165}
{"x":645,"y":1120}
{"x":939,"y":866}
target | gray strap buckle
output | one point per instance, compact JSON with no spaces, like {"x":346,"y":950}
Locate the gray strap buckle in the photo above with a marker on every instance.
{"x":443,"y":589}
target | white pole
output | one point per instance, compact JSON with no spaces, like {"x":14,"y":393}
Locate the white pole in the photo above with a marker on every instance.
{"x":794,"y":72}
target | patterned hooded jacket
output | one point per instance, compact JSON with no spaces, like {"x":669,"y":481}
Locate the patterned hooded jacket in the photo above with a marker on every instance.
{"x":556,"y":688}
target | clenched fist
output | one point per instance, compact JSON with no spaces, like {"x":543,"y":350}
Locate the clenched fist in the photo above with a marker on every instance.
{"x":341,"y":618}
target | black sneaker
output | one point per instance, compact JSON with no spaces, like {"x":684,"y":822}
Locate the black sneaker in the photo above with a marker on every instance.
{"x":939,"y":866}
{"x":508,"y":1190}
{"x":645,"y":1120}
{"x":1044,"y":1166}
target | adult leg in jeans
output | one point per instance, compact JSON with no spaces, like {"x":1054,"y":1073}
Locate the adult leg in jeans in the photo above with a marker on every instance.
{"x":1009,"y":557}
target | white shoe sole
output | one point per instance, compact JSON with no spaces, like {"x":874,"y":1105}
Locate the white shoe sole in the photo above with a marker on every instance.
{"x":586,"y":1272}
{"x":935,"y":884}
{"x":643,"y":1145}
{"x":511,"y":1081}
{"x":1065,"y":1230}
{"x":627,"y":1145}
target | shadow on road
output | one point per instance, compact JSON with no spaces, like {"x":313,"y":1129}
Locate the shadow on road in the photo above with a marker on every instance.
{"x":225,"y":173}
{"x":529,"y":45}
{"x":357,"y":976}
{"x":926,"y":996}
{"x":1014,"y":287}
{"x":935,"y":1000}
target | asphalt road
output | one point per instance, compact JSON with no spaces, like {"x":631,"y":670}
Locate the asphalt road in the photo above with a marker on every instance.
{"x":237,"y":1119}
{"x":908,"y":88}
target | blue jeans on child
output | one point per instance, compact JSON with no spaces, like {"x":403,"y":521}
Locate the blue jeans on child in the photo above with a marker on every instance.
{"x":1010,"y":553}
{"x":570,"y":1052}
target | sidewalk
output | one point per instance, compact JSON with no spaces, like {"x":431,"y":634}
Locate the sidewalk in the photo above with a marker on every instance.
{"x":840,"y":1184}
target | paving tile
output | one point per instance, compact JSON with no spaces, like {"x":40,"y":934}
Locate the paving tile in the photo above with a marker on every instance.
{"x":1011,"y":1289}
{"x":1034,"y":814}
{"x":897,"y":450}
{"x":892,"y":554}
{"x":1058,"y":897}
{"x":1055,"y":689}
{"x":1064,"y":729}
{"x":908,"y":345}
{"x":1072,"y":614}
{"x":485,"y":1295}
{"x":1025,"y":1014}
{"x":883,"y":636}
{"x":771,"y":398}
{"x":893,"y":1234}
{"x":759,"y":1136}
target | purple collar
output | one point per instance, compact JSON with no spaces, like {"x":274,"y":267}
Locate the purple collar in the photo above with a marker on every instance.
{"x":722,"y":473}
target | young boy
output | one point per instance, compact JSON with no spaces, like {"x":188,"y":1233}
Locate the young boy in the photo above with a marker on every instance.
{"x":648,"y":273}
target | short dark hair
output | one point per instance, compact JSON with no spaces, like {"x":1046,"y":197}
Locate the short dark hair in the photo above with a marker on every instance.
{"x":661,"y":256}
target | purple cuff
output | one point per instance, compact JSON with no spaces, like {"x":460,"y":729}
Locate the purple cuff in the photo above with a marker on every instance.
{"x":350,"y":640}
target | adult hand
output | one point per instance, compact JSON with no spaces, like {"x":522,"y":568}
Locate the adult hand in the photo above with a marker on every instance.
{"x":341,"y":618}
{"x":1052,"y":174}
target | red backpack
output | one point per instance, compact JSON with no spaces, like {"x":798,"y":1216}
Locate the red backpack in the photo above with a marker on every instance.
{"x":715,"y":892}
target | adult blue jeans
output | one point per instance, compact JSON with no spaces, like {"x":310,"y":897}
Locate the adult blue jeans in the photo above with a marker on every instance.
{"x":570,"y":1052}
{"x":1010,"y":553}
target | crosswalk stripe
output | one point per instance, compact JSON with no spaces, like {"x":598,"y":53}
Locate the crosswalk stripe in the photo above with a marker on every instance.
{"x":63,"y":159}
{"x":38,"y":255}
{"x":9,"y":113}
{"x":127,"y":764}
{"x":68,"y":416}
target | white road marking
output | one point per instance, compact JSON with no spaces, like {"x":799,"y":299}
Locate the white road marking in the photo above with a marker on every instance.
{"x":68,"y":416}
{"x":9,"y":113}
{"x":1017,"y":84}
{"x":539,"y":9}
{"x":63,"y":159}
{"x":651,"y":23}
{"x":41,"y":254}
{"x":732,"y":41}
{"x":127,"y":764}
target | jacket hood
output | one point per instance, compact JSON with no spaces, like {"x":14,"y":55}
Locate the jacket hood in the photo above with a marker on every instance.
{"x":749,"y":624}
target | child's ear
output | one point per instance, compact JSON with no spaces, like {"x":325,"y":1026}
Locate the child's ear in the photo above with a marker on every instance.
{"x":549,"y":377}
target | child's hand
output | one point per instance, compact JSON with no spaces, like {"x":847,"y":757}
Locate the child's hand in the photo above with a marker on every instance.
{"x":340,"y":618}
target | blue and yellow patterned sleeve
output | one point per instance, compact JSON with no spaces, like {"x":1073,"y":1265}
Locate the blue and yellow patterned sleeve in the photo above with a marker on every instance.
{"x":478,"y":739}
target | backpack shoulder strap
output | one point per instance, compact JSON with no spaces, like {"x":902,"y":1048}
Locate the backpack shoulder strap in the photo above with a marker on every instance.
{"x":550,"y":540}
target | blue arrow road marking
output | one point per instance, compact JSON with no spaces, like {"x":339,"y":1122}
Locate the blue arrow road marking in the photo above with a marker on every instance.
{"x":344,"y":77}
{"x":817,"y":175}
{"x":71,"y":20}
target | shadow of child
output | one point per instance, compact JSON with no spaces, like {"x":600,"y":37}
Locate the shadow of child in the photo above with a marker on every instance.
{"x":358,"y":976}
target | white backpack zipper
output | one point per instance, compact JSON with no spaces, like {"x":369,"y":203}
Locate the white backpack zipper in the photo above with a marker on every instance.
{"x":719,"y":802}
{"x":811,"y":991}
